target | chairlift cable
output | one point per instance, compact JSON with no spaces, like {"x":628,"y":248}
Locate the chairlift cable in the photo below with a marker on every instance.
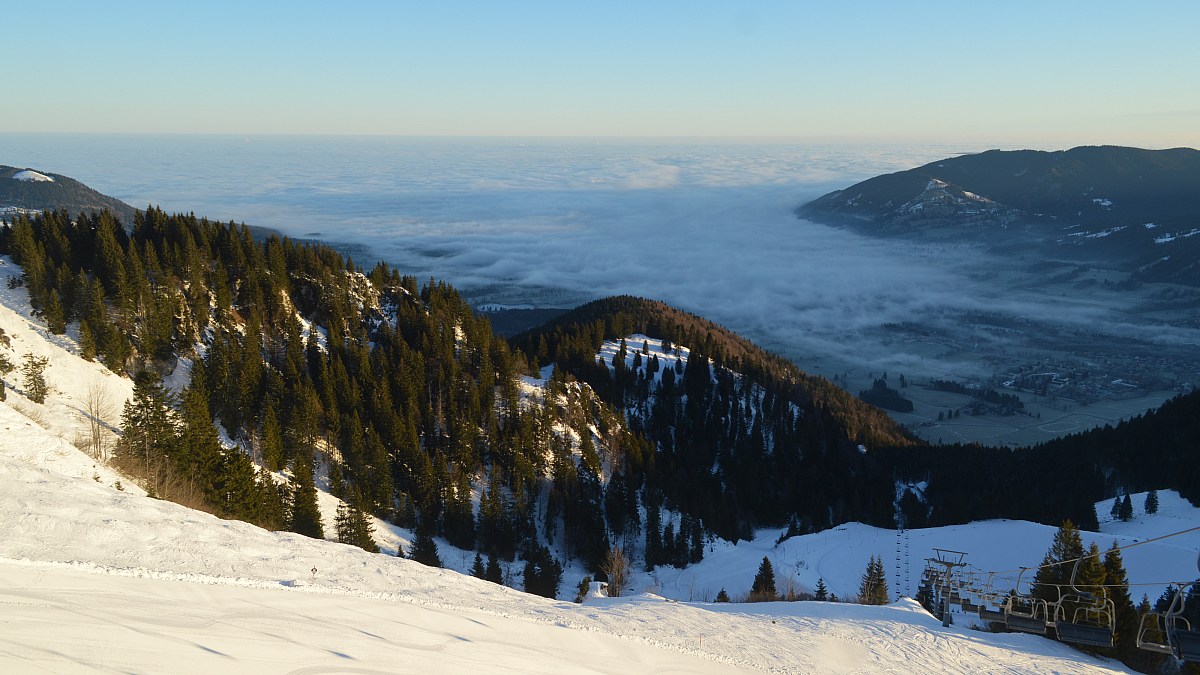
{"x":1089,"y":555}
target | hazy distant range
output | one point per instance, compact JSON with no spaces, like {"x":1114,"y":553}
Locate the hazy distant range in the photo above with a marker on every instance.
{"x":707,"y":226}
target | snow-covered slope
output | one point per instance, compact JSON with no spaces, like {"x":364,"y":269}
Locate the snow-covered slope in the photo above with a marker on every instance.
{"x":839,"y":556}
{"x":166,"y":588}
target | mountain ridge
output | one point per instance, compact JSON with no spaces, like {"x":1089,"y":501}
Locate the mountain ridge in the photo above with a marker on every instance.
{"x":22,"y":189}
{"x":1133,"y":206}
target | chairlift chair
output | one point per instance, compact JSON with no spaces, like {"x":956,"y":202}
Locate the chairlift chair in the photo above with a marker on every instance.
{"x":1169,"y":632}
{"x":1092,"y":617}
{"x":1025,"y":613}
{"x":989,"y":597}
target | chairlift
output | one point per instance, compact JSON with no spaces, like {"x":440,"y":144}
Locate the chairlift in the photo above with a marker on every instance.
{"x":1092,"y":617}
{"x":1169,"y":632}
{"x":1025,"y":613}
{"x":990,"y":597}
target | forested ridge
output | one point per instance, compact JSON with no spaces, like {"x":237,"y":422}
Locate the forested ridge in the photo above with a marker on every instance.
{"x":743,"y":437}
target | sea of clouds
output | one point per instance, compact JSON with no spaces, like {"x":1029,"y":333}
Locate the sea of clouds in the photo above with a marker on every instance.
{"x":706,"y":226}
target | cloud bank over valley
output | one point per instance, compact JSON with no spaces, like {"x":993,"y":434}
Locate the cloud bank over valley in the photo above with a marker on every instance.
{"x":707,"y":226}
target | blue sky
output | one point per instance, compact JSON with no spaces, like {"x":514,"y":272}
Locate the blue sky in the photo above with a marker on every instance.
{"x":1038,"y":73}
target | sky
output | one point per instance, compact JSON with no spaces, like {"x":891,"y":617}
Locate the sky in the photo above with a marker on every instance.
{"x":1033,"y":73}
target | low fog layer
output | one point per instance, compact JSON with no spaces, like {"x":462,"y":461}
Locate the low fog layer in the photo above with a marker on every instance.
{"x":707,"y":227}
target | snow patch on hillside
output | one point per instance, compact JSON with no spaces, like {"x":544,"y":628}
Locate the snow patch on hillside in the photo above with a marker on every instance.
{"x":648,"y":348}
{"x":30,"y":175}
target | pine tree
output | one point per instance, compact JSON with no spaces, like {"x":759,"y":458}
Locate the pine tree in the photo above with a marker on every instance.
{"x":1051,"y":575}
{"x":581,"y":591}
{"x":722,"y":596}
{"x":1126,"y":508}
{"x":477,"y":569}
{"x":1115,"y":511}
{"x":1116,"y":583}
{"x":822,"y":593}
{"x":33,"y":370}
{"x":148,"y":423}
{"x":87,"y":342}
{"x":306,"y":515}
{"x":763,"y":588}
{"x":1151,"y":505}
{"x":494,"y":573}
{"x":53,"y":314}
{"x":272,"y":439}
{"x":543,"y":573}
{"x":353,"y":526}
{"x":873,"y":588}
{"x":425,"y":549}
{"x":6,"y":367}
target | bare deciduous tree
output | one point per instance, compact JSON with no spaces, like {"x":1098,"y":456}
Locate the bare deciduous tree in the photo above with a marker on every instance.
{"x":616,"y":566}
{"x":98,"y":410}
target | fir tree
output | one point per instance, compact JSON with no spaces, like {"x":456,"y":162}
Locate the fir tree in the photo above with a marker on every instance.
{"x":87,"y":342}
{"x":821,"y":593}
{"x":6,"y":367}
{"x":543,"y":573}
{"x":53,"y":314}
{"x":722,"y":596}
{"x":272,"y":439}
{"x":33,"y":371}
{"x":306,"y":515}
{"x":477,"y":569}
{"x":1116,"y":582}
{"x":1126,"y":508}
{"x":353,"y":526}
{"x":425,"y":549}
{"x":494,"y":573}
{"x":873,"y":590}
{"x":1151,"y":505}
{"x":763,"y":588}
{"x":1054,"y":573}
{"x":582,"y":589}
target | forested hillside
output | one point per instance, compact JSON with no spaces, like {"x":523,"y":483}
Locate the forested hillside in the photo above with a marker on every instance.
{"x":743,"y":437}
{"x":397,"y":392}
{"x":1059,"y":479}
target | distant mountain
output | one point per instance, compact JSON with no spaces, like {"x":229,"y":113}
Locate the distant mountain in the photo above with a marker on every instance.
{"x":1136,"y":208}
{"x":30,"y":190}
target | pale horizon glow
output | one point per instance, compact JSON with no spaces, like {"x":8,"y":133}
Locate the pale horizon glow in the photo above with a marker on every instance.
{"x":1046,"y":75}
